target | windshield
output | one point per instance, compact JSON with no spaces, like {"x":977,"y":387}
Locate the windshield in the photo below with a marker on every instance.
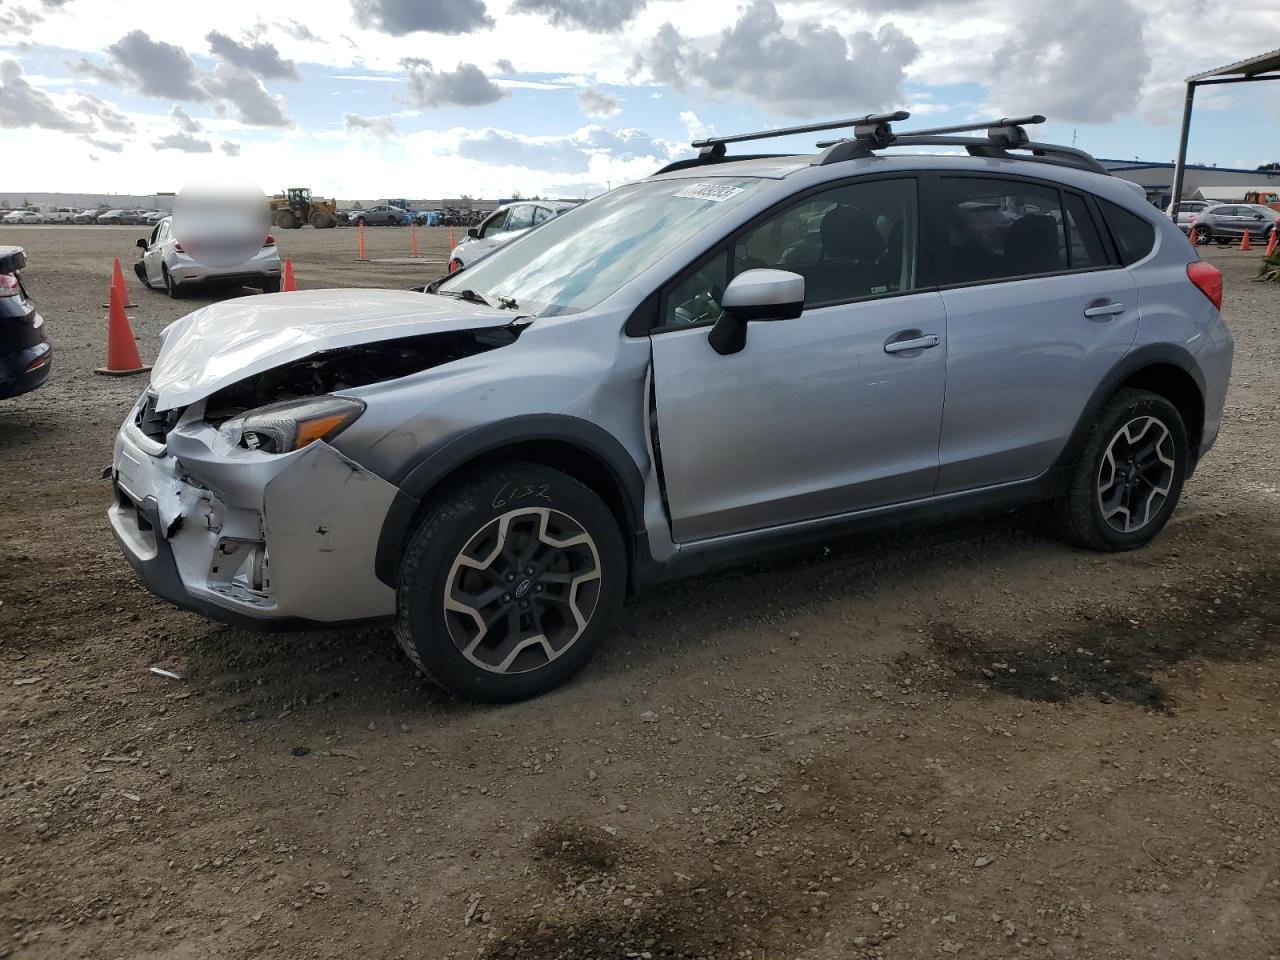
{"x":576,"y":260}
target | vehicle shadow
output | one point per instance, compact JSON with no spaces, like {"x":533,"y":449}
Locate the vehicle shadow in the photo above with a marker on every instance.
{"x":357,"y":674}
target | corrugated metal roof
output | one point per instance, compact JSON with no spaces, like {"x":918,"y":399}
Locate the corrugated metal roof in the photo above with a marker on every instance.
{"x":1262,"y":63}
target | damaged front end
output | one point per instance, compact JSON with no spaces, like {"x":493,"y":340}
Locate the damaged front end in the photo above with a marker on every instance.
{"x":237,"y":505}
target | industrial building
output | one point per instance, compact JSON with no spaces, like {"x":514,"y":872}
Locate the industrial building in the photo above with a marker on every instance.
{"x":1157,"y":180}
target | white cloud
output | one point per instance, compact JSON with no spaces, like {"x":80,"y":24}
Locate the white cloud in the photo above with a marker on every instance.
{"x":595,"y":102}
{"x":465,"y":86}
{"x":381,"y":127}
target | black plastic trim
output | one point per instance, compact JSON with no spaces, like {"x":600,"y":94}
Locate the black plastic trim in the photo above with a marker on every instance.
{"x":417,"y":479}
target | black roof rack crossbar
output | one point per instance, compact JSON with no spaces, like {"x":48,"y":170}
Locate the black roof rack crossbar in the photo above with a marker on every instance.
{"x":874,"y":126}
{"x":998,"y":148}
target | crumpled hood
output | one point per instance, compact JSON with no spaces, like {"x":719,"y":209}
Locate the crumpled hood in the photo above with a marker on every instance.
{"x":223,"y":343}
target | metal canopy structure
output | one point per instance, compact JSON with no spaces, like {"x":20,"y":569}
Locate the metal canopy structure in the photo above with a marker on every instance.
{"x":1265,"y":66}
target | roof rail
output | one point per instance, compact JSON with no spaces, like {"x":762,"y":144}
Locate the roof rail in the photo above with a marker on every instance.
{"x":874,"y":132}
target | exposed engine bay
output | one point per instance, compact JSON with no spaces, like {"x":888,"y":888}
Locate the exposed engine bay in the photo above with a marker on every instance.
{"x":358,"y":366}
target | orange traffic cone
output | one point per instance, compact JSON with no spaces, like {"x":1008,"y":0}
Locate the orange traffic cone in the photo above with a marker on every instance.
{"x":289,"y":283}
{"x":413,"y":241}
{"x":360,"y":246}
{"x":1244,"y":241}
{"x":117,"y":281}
{"x":452,"y":242}
{"x":1275,"y":238}
{"x":122,"y":348}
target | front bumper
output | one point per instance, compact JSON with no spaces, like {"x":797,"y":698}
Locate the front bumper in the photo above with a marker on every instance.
{"x":249,"y":538}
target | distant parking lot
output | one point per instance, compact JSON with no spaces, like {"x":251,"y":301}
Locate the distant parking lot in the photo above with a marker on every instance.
{"x":972,"y":741}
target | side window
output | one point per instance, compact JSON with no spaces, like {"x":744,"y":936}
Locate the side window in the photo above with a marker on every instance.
{"x":1134,"y":237}
{"x":696,"y":298}
{"x":541,"y":215}
{"x":155,"y":234}
{"x":848,"y":243}
{"x":521,"y":218}
{"x":1000,"y":230}
{"x":495,"y":225}
{"x":1087,"y":249}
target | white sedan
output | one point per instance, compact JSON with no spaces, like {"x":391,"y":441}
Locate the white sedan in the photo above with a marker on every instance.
{"x":504,"y":224}
{"x":166,"y":265}
{"x":23,"y":216}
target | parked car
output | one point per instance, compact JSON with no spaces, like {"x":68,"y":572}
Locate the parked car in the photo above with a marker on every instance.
{"x":26,"y":356}
{"x":381,"y":215}
{"x":156,"y":216}
{"x":114,"y":217}
{"x":86,"y":216}
{"x":504,"y":224}
{"x":1188,"y":210}
{"x":667,"y":379}
{"x":166,"y":265}
{"x":1226,"y":223}
{"x":23,"y":216}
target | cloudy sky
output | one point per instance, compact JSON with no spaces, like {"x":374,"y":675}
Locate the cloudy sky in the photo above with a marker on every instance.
{"x":431,"y":98}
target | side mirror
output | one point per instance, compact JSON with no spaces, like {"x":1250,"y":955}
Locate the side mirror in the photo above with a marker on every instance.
{"x":142,"y":243}
{"x":474,"y":233}
{"x":755,"y":295}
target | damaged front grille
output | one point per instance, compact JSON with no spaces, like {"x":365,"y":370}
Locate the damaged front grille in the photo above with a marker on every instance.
{"x":345,"y":368}
{"x":155,"y":425}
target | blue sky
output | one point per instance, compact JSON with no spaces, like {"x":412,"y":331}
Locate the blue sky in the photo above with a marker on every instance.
{"x":420,"y":98}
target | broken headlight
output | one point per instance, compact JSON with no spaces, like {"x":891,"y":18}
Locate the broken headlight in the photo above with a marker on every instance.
{"x":291,"y":425}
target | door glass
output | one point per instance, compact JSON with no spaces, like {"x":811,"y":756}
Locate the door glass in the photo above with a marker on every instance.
{"x":1086,"y":244}
{"x":696,"y":298}
{"x":495,"y":225}
{"x":1000,"y":229}
{"x":540,"y":214}
{"x":852,"y":242}
{"x":521,"y":218}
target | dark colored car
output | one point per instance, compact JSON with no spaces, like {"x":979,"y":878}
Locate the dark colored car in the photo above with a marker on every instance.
{"x":1227,"y":222}
{"x":381,"y":215}
{"x":26,"y":357}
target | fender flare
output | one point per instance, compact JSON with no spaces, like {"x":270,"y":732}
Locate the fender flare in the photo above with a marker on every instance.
{"x":1149,"y":355}
{"x":418,"y":477}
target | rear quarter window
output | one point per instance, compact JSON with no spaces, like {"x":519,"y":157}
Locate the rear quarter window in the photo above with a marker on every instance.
{"x":1133,"y":236}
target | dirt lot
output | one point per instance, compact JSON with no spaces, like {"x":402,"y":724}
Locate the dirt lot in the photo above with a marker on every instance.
{"x":973,"y":742}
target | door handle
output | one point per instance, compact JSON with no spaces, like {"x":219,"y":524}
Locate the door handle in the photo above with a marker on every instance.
{"x":917,"y":343}
{"x":1103,"y":308}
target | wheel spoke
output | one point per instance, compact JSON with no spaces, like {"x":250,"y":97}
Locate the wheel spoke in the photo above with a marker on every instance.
{"x":1135,"y":474}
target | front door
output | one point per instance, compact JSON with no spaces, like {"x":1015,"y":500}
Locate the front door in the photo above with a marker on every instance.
{"x":818,"y":416}
{"x":1038,"y":311}
{"x":153,"y":256}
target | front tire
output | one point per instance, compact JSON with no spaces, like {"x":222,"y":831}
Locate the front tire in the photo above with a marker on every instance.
{"x":1129,"y":477}
{"x":508,"y":585}
{"x":171,"y":288}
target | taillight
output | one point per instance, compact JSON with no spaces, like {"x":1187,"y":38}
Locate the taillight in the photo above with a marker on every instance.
{"x":177,"y":247}
{"x":9,"y":286}
{"x":455,"y":266}
{"x":270,"y":241}
{"x":1208,"y":280}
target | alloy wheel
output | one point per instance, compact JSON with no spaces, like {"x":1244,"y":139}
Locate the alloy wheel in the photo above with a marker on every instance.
{"x":522,"y":590}
{"x":1136,"y":474}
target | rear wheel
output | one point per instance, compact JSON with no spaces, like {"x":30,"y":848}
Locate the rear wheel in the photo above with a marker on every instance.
{"x":1130,"y":474}
{"x":270,"y":285}
{"x":1202,"y":235}
{"x":171,"y":288}
{"x":508,"y":585}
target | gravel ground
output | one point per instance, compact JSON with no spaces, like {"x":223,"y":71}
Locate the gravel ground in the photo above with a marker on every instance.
{"x":971,"y":741}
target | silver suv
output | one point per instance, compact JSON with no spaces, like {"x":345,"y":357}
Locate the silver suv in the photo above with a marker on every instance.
{"x":726,"y":358}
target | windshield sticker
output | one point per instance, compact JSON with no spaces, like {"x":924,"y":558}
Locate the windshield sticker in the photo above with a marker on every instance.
{"x":716,"y":193}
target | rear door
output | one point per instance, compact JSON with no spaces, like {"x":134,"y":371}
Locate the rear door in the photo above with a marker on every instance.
{"x":153,"y":256}
{"x":1039,"y":308}
{"x":821,"y":415}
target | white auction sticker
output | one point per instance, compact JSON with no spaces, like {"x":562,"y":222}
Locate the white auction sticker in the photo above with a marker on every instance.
{"x":715,"y":192}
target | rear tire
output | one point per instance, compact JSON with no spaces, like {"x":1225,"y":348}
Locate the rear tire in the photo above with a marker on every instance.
{"x":1202,"y":236}
{"x":1129,"y":477}
{"x":508,"y":585}
{"x":270,"y":285}
{"x":171,"y":288}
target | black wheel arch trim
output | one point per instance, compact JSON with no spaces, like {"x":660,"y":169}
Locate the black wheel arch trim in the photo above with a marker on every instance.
{"x":416,"y":480}
{"x":1135,"y":361}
